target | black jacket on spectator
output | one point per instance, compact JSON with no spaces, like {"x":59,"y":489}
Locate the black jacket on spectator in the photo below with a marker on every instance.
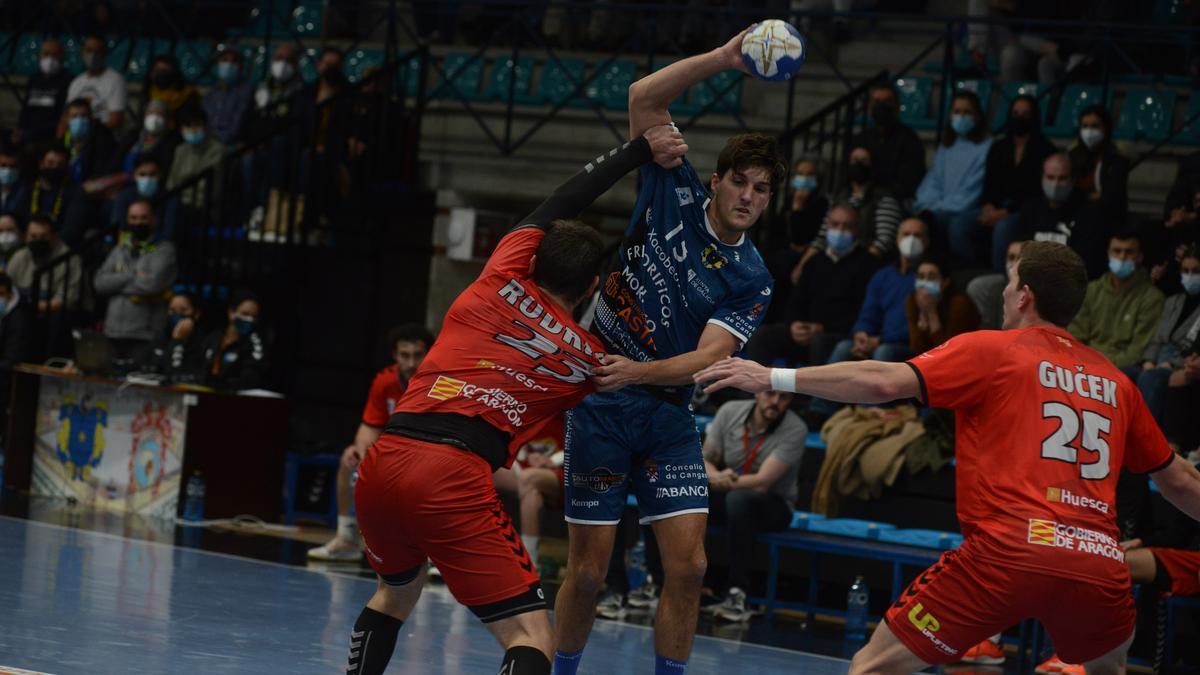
{"x":1078,"y":223}
{"x":16,"y":200}
{"x":16,"y":345}
{"x":67,"y":206}
{"x":96,"y":157}
{"x":897,"y":159}
{"x":1113,"y":178}
{"x":242,"y":365}
{"x":831,"y":293}
{"x":1007,"y":185}
{"x":45,"y":98}
{"x":181,"y":361}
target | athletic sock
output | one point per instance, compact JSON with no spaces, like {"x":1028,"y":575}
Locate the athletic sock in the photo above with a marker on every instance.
{"x":348,"y":528}
{"x":523,"y":660}
{"x":666,"y":666}
{"x":531,"y":544}
{"x":372,"y":642}
{"x":566,"y":663}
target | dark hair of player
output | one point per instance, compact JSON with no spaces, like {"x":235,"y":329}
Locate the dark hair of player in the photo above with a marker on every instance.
{"x":568,"y":258}
{"x":1057,"y":277}
{"x":753,"y":150}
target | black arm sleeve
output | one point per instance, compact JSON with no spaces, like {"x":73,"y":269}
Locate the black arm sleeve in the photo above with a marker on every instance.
{"x":584,"y":187}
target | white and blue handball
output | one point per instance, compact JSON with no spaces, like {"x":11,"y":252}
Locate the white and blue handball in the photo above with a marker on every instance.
{"x":773,"y":50}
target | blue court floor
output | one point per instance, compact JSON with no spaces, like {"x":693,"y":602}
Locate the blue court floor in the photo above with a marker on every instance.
{"x":76,"y":601}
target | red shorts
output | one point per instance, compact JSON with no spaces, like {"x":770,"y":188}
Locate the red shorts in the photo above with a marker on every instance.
{"x":416,"y":500}
{"x":962,"y":600}
{"x":1184,"y":568}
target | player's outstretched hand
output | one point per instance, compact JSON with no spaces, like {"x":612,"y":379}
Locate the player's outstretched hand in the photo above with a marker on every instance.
{"x":616,"y":372}
{"x":666,"y":144}
{"x":736,"y":373}
{"x":731,"y":52}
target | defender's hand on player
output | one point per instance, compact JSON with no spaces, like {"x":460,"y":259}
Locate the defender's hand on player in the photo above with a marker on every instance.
{"x":666,"y":144}
{"x":736,"y":373}
{"x":617,"y":372}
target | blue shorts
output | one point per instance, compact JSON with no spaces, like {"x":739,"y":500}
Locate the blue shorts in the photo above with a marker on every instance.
{"x":629,"y":437}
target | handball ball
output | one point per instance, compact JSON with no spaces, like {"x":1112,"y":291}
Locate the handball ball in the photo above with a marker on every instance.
{"x":773,"y":50}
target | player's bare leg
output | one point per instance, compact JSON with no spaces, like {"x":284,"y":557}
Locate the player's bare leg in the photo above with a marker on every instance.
{"x":681,"y":544}
{"x":885,"y":654}
{"x":1112,"y":663}
{"x":517,"y":634}
{"x":373,"y":638}
{"x":587,"y":564}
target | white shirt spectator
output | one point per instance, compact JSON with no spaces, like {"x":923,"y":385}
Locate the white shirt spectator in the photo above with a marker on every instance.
{"x":105,"y":91}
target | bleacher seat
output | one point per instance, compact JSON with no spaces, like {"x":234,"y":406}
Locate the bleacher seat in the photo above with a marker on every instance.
{"x":981,"y":88}
{"x":408,"y":77}
{"x":308,"y":18}
{"x":72,"y":52}
{"x":559,"y":79}
{"x":849,"y":527}
{"x":25,"y":58}
{"x":359,"y":60}
{"x":194,"y":57}
{"x":915,"y":93}
{"x":1190,"y":133}
{"x":1075,"y":98}
{"x":702,"y":422}
{"x":814,"y":441}
{"x":308,"y":63}
{"x":118,"y":53}
{"x":1146,"y":115}
{"x":507,"y":75}
{"x":802,"y":519}
{"x":255,"y":59}
{"x":704,"y":93}
{"x":923,"y":538}
{"x":610,"y":86}
{"x":466,"y":72}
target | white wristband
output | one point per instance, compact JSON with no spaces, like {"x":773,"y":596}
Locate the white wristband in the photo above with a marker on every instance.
{"x":783,"y":379}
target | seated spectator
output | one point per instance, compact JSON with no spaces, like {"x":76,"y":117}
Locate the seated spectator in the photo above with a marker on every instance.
{"x":1062,"y":214}
{"x":165,"y":83}
{"x":55,"y":197}
{"x":228,"y":101}
{"x":330,"y":116}
{"x":148,"y":184}
{"x":91,"y":146}
{"x":154,"y":140}
{"x":16,"y":339}
{"x":936,"y":311}
{"x":801,"y":222}
{"x":409,"y":343}
{"x":1122,"y":308}
{"x":1099,"y":170}
{"x":276,"y":97}
{"x":11,"y":238}
{"x":539,"y":483}
{"x":176,"y":353}
{"x":14,"y":192}
{"x":136,"y":277}
{"x":57,"y":290}
{"x":1178,"y":335}
{"x":235,"y":356}
{"x":987,"y":291}
{"x":752,"y":455}
{"x":198,"y":153}
{"x":1010,"y":178}
{"x":45,"y":97}
{"x":878,"y":212}
{"x":103,"y":87}
{"x":951,"y":190}
{"x":825,"y":302}
{"x":897,"y":153}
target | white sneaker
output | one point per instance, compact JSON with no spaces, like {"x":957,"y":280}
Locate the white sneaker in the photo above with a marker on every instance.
{"x":337,"y":549}
{"x":612,"y":606}
{"x":434,"y":572}
{"x":645,"y":597}
{"x":733,"y":608}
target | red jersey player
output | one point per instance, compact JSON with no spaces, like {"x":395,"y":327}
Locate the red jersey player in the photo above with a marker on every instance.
{"x":1044,"y":427}
{"x":509,"y":358}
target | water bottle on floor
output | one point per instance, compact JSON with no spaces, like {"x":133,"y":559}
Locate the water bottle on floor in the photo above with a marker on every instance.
{"x":857,"y":601}
{"x":193,"y":500}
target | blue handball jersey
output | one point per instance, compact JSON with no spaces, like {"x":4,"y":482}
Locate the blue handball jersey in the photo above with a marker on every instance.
{"x":674,"y":276}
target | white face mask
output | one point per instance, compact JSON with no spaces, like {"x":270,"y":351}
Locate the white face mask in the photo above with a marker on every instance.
{"x":1091,"y":137}
{"x":911,"y":247}
{"x":154,"y":123}
{"x":282,"y":70}
{"x":8,"y":239}
{"x":49,"y":66}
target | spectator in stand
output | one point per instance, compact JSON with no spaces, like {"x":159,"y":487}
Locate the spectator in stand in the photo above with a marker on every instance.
{"x":91,"y":146}
{"x":198,"y":153}
{"x":1100,"y":171}
{"x":11,"y":238}
{"x":952,"y":188}
{"x":1178,"y":335}
{"x":825,"y":302}
{"x":1010,"y":177}
{"x":752,"y":455}
{"x":165,"y":83}
{"x":539,"y":484}
{"x":45,"y":97}
{"x":1122,"y":308}
{"x":325,"y":158}
{"x":14,"y":192}
{"x":55,"y":197}
{"x":277,"y":97}
{"x":936,"y":311}
{"x":235,"y":356}
{"x":148,"y":183}
{"x":409,"y":343}
{"x":176,"y":353}
{"x":16,"y":339}
{"x":898,"y":154}
{"x":103,"y":87}
{"x":1180,"y":404}
{"x":228,"y":101}
{"x":987,"y":291}
{"x":61,"y":288}
{"x":801,"y":222}
{"x":153,"y":140}
{"x":878,"y":212}
{"x":137,"y":277}
{"x":1063,"y":214}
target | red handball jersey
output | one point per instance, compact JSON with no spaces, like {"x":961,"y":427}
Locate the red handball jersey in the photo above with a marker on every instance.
{"x":386,"y":390}
{"x":1044,"y":426}
{"x":506,"y":352}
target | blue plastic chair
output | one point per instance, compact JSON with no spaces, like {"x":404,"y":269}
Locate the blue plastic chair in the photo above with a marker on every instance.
{"x":610,"y":86}
{"x":25,"y":58}
{"x":915,"y":94}
{"x":559,"y":79}
{"x":194,"y":57}
{"x":466,"y":72}
{"x":1075,"y":98}
{"x":308,"y":18}
{"x":850,"y":527}
{"x":1146,"y":115}
{"x":518,"y":75}
{"x":802,"y":520}
{"x":923,"y":538}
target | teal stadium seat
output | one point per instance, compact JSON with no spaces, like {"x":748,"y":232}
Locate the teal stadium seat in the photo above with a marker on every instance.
{"x":981,"y":88}
{"x":679,"y":106}
{"x":923,"y":538}
{"x":72,"y":48}
{"x":118,"y":53}
{"x":559,"y":79}
{"x":849,"y":527}
{"x":359,"y":60}
{"x":194,"y":57}
{"x":139,"y":59}
{"x":466,"y":72}
{"x":610,"y":86}
{"x":255,"y":59}
{"x":1146,"y":115}
{"x":915,"y":94}
{"x":308,"y":64}
{"x":25,"y":58}
{"x":308,"y":18}
{"x":1189,"y":134}
{"x":703,"y":93}
{"x":506,"y":76}
{"x":1075,"y":98}
{"x":408,"y":76}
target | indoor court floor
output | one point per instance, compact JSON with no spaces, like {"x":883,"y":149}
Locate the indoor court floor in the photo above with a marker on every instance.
{"x":79,"y":601}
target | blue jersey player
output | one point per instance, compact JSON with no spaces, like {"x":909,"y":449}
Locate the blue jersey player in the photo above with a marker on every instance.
{"x":688,"y":290}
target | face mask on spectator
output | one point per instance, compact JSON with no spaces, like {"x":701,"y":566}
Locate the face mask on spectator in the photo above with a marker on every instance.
{"x":40,"y":248}
{"x":91,"y":60}
{"x":243,"y":325}
{"x":1121,"y":269}
{"x":858,"y":172}
{"x":1190,"y":282}
{"x":934,"y":288}
{"x":807,"y":183}
{"x":227,"y":71}
{"x":139,"y":232}
{"x":839,"y":241}
{"x":1020,"y":125}
{"x":962,"y":124}
{"x":1056,"y":192}
{"x":54,"y":176}
{"x":8,"y":175}
{"x":911,"y":247}
{"x":9,"y":240}
{"x":282,"y":70}
{"x":193,"y":136}
{"x":1091,"y":137}
{"x":49,"y":66}
{"x":154,"y":123}
{"x":79,"y":126}
{"x":147,"y":186}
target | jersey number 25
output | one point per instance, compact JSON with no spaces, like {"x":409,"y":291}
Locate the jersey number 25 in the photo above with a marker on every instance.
{"x":1059,"y":444}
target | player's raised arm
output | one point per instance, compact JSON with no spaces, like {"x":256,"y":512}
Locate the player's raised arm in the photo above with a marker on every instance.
{"x":849,"y":382}
{"x":650,"y":96}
